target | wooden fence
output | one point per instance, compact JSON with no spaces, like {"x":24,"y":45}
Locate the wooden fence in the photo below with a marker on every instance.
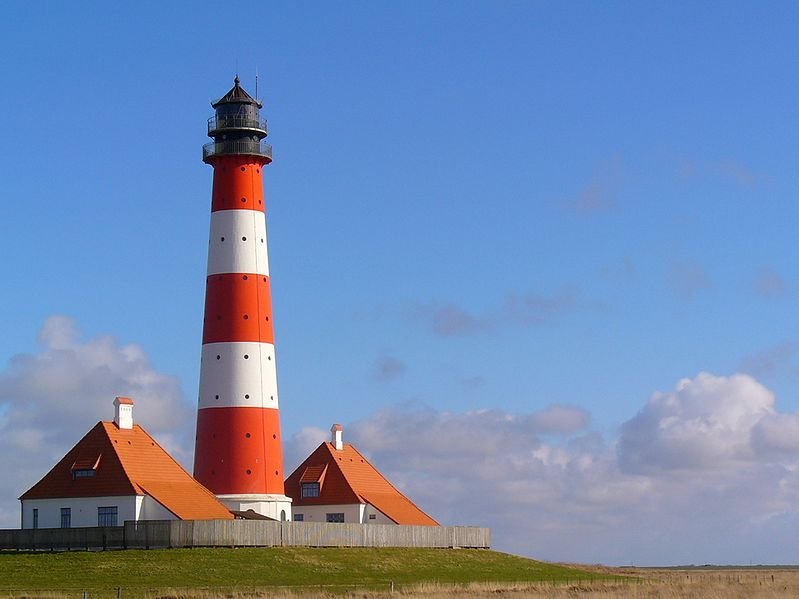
{"x":154,"y":534}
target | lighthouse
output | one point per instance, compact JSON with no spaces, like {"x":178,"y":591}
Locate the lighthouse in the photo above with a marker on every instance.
{"x":238,"y":452}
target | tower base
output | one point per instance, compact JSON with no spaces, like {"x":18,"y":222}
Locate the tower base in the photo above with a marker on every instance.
{"x":277,"y":507}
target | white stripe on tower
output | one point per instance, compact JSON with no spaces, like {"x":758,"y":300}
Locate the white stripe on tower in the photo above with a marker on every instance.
{"x":237,"y":242}
{"x":238,"y":375}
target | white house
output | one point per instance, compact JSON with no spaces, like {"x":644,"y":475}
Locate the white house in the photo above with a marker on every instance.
{"x":337,"y":484}
{"x":117,"y":472}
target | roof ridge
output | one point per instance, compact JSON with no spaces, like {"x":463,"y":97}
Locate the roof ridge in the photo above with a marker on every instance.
{"x":330,"y":448}
{"x":133,"y":483}
{"x":169,"y":455}
{"x":380,"y":474}
{"x":82,"y":439}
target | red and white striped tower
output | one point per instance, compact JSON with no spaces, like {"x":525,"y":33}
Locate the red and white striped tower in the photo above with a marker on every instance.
{"x":238,"y":453}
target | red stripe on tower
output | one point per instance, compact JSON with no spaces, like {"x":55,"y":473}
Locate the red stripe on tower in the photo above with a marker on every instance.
{"x":237,"y":452}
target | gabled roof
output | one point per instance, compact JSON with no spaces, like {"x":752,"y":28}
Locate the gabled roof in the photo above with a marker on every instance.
{"x":236,"y":95}
{"x":346,"y":477}
{"x":127,"y":462}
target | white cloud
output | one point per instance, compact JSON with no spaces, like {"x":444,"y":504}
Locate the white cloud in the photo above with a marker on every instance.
{"x":300,"y":445}
{"x":50,"y":399}
{"x":708,"y":472}
{"x":560,"y":419}
{"x":705,"y":423}
{"x":777,"y":435}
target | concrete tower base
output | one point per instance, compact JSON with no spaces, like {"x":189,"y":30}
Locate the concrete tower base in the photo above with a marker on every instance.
{"x":277,"y":507}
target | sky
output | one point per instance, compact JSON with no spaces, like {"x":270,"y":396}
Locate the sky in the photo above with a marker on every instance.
{"x":537,"y":258}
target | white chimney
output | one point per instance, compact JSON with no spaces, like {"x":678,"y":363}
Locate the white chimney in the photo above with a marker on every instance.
{"x":338,"y":433}
{"x":123,"y":412}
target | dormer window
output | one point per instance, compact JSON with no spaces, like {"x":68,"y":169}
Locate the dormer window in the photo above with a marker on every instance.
{"x":85,"y":466}
{"x":310,"y":489}
{"x":312,"y":480}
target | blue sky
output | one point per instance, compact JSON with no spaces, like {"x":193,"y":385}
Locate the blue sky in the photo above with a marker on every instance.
{"x":516,"y":207}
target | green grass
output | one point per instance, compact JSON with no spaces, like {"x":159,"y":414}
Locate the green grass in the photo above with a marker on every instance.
{"x":139,"y":573}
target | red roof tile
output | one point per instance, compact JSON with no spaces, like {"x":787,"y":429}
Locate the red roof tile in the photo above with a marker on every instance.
{"x":128,"y":462}
{"x":350,"y":478}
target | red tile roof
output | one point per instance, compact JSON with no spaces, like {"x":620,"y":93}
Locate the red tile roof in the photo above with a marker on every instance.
{"x":349,"y":478}
{"x":128,"y":462}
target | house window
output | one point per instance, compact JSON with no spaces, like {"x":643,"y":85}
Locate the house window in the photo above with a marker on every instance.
{"x":282,"y":515}
{"x":373,"y":516}
{"x":66,"y":517}
{"x":299,"y":517}
{"x":310,"y":490}
{"x":82,"y":473}
{"x":336,"y":517}
{"x":35,"y":517}
{"x":107,"y":516}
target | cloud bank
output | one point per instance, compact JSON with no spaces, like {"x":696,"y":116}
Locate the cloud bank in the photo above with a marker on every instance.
{"x":50,"y":399}
{"x":706,"y":472}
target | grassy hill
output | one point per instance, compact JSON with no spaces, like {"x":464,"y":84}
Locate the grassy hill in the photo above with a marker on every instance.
{"x":140,"y":573}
